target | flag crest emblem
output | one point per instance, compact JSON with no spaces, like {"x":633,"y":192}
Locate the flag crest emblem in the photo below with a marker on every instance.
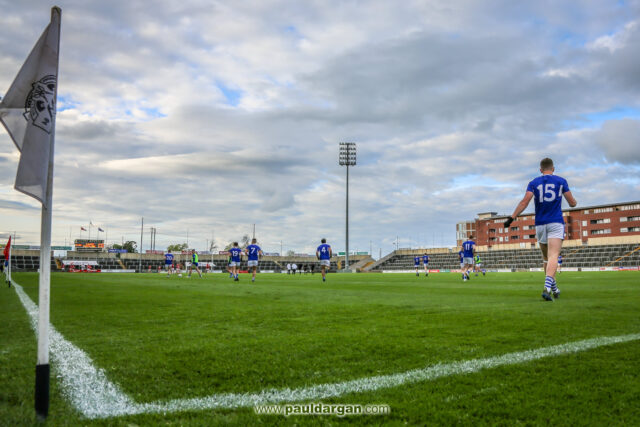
{"x":39,"y":106}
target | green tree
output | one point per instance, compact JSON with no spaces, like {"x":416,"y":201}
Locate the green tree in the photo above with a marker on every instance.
{"x":177,"y":247}
{"x":130,"y":246}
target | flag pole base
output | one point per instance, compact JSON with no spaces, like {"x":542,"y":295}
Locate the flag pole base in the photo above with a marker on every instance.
{"x":42,"y":391}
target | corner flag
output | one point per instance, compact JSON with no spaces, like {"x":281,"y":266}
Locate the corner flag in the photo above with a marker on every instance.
{"x":7,"y":262}
{"x":7,"y":249}
{"x":28,"y":112}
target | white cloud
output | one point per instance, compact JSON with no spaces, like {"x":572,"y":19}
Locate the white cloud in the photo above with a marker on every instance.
{"x":620,"y":140}
{"x":214,"y":116}
{"x":615,"y":41}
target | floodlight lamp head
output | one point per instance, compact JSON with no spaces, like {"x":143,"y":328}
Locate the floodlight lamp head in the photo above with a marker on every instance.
{"x":347,"y":155}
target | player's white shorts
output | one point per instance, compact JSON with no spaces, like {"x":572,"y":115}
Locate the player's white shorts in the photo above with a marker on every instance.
{"x":555,"y":230}
{"x":462,"y":264}
{"x":478,"y":264}
{"x":234,"y":264}
{"x":252,"y":263}
{"x":467,"y":260}
{"x":325,"y":263}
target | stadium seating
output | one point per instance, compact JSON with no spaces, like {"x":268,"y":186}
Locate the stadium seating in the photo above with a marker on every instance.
{"x":622,"y":255}
{"x":27,"y":263}
{"x":581,"y":257}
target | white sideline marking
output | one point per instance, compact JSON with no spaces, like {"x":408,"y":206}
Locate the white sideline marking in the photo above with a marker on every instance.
{"x":94,"y":396}
{"x":84,"y":385}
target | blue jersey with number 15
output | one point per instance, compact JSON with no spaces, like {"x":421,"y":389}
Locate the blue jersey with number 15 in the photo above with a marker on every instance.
{"x":547,"y":194}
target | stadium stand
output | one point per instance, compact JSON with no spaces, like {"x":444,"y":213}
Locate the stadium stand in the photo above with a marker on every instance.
{"x":624,"y":255}
{"x":618,"y":255}
{"x":27,"y":262}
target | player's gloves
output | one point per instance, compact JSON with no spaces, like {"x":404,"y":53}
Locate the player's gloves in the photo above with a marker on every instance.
{"x":508,"y":222}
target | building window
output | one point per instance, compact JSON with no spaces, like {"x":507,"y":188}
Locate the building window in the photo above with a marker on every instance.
{"x":515,"y":228}
{"x":630,"y":230}
{"x":586,"y":212}
{"x":629,"y":207}
{"x":601,"y":221}
{"x":506,"y":238}
{"x":584,"y":232}
{"x":601,"y":231}
{"x":629,"y":218}
{"x":601,"y":210}
{"x":501,"y":239}
{"x":584,"y":223}
{"x":532,"y":236}
{"x":514,"y":237}
{"x":501,"y":230}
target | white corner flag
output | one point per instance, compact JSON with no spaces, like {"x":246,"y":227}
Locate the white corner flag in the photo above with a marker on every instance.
{"x":28,"y":112}
{"x":28,"y":109}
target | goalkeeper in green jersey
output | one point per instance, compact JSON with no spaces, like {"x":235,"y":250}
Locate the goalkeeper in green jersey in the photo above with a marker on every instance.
{"x":477,"y":265}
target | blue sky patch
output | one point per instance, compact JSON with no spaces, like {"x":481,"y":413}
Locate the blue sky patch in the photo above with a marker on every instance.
{"x":233,"y":96}
{"x":153,"y":112}
{"x":66,"y":103}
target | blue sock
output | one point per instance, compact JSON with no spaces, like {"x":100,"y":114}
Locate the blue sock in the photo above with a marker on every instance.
{"x":549,"y":283}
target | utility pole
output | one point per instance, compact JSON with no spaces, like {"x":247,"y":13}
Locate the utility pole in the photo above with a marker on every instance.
{"x":140,"y":255}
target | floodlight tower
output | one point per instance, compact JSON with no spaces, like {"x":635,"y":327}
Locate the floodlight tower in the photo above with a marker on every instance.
{"x":347,"y":158}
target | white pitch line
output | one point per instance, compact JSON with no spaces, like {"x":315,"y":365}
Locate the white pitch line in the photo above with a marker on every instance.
{"x":94,"y":396}
{"x":84,"y":385}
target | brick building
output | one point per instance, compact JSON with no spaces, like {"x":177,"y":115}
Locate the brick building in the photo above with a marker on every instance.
{"x":602,"y":224}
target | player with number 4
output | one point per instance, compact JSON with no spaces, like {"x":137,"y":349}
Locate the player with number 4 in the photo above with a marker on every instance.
{"x":324,"y":253}
{"x":547,"y":191}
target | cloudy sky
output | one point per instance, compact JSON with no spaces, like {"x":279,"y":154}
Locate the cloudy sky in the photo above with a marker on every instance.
{"x":205,"y":117}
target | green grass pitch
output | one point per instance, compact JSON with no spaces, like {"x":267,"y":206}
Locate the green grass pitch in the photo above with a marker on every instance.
{"x":164,"y":338}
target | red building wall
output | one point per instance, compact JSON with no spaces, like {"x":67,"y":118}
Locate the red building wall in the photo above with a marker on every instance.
{"x":583,"y":223}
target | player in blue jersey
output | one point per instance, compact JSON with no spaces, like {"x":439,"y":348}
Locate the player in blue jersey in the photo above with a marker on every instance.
{"x":547,"y":191}
{"x":468,"y":251}
{"x":235,"y":253}
{"x":461,"y":256}
{"x":416,"y":264}
{"x":425,"y":263}
{"x":194,"y":263}
{"x":253,"y":253}
{"x":559,"y":263}
{"x":324,"y":253}
{"x":168,"y":263}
